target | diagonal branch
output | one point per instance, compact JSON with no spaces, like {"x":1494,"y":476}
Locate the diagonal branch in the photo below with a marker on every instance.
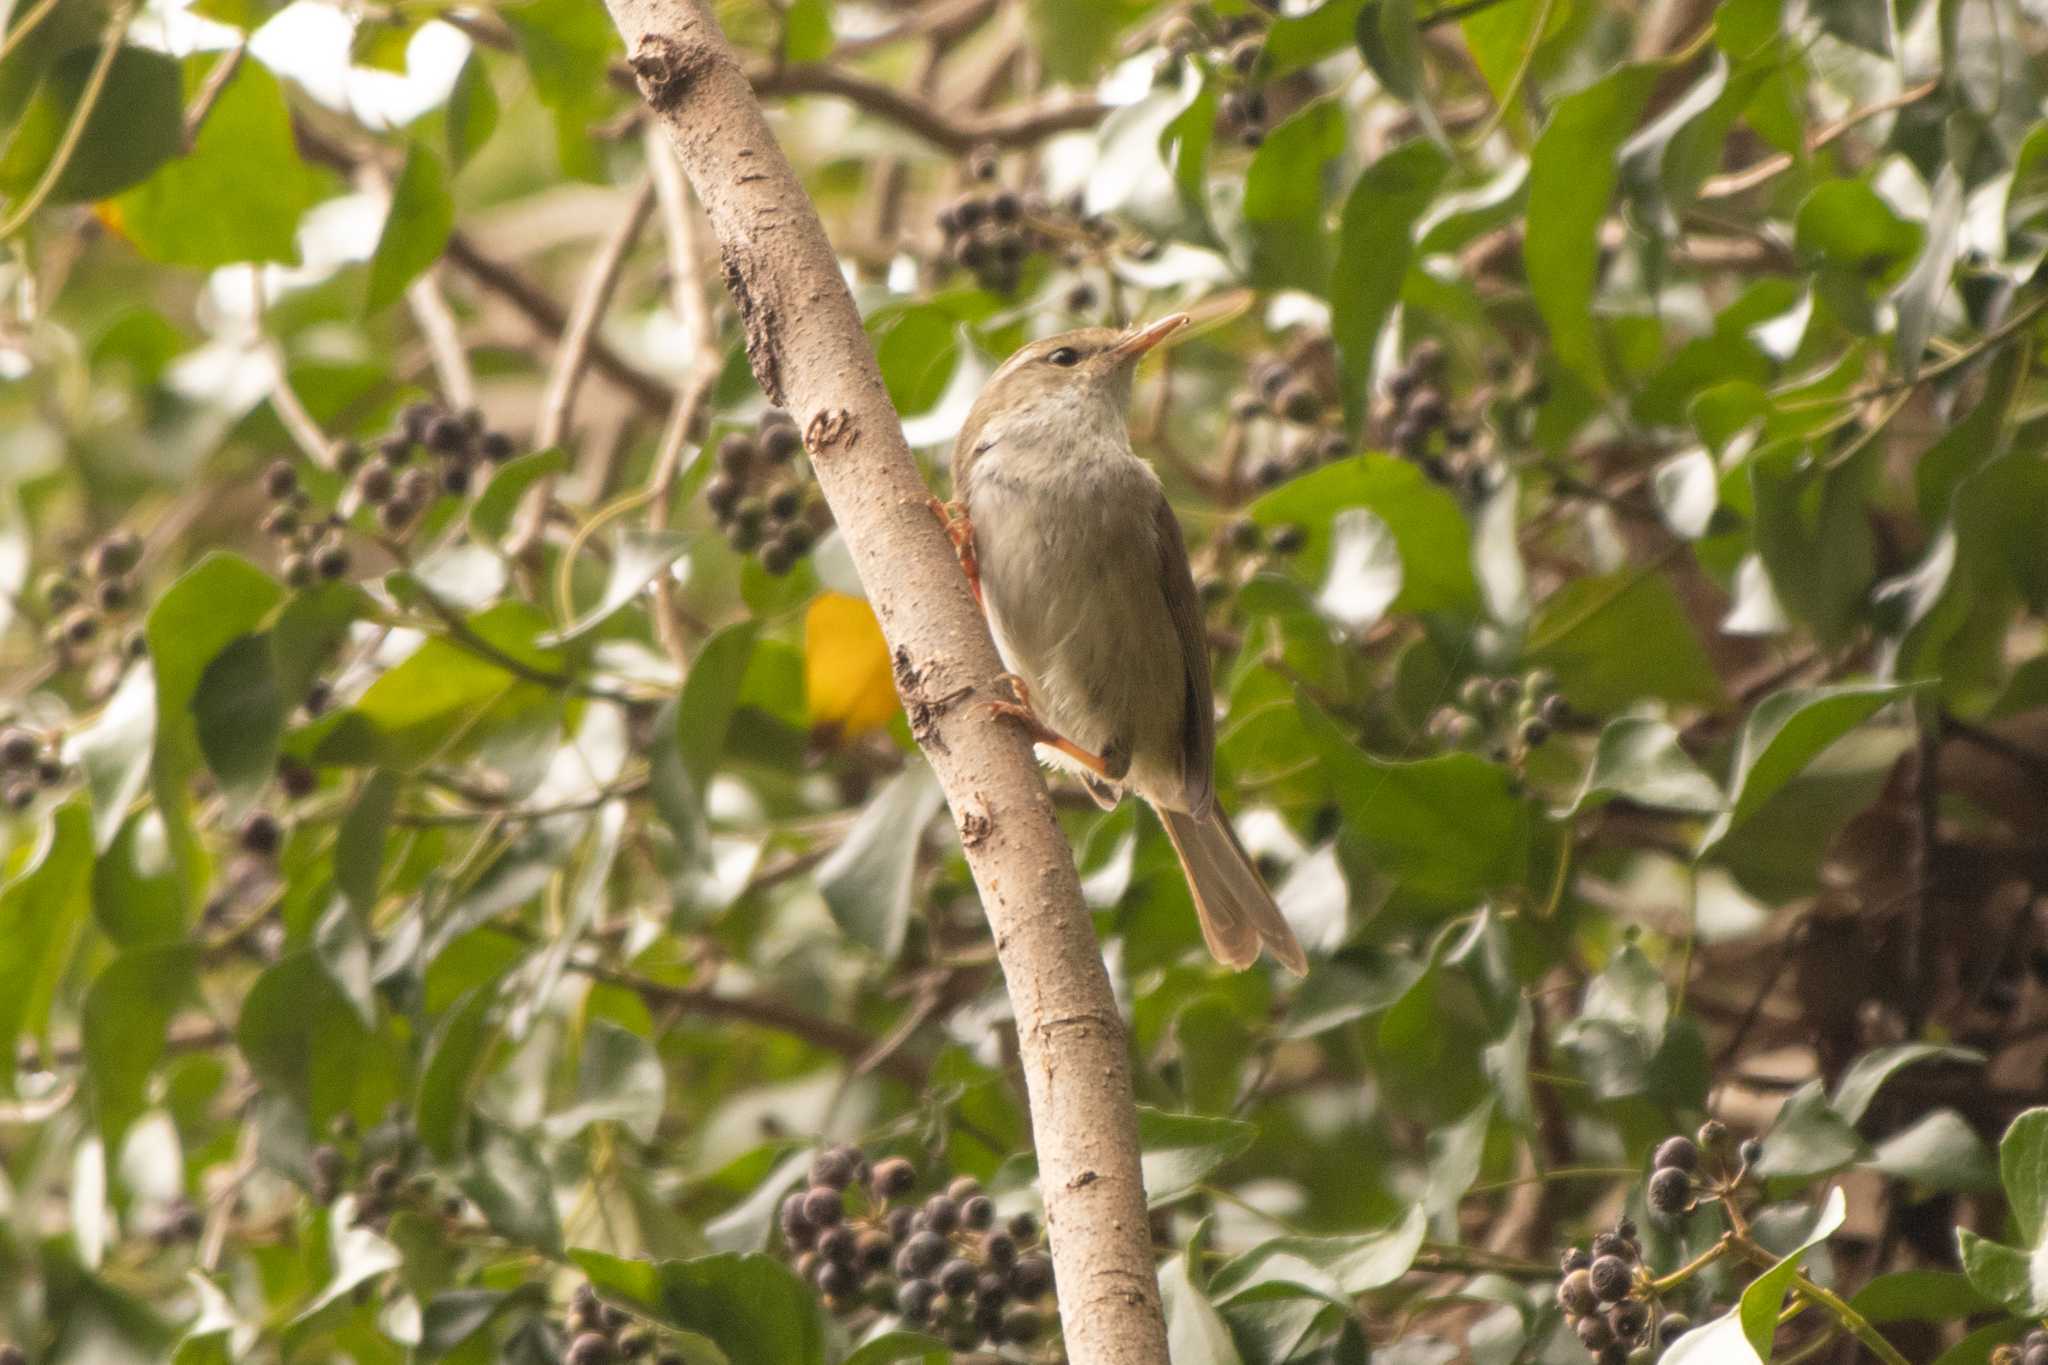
{"x":812,"y":356}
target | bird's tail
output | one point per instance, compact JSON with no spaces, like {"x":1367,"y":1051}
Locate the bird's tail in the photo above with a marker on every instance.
{"x":1237,"y":912}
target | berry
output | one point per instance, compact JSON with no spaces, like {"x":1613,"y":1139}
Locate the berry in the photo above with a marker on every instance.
{"x":636,"y":1342}
{"x":10,"y":1354}
{"x":331,"y":560}
{"x":1533,"y":733}
{"x":18,"y":748}
{"x":956,"y":1278}
{"x":1628,"y":1320}
{"x":871,"y":1251}
{"x":776,"y":559}
{"x":735,"y":453}
{"x":1031,"y":1276}
{"x":1671,"y":1327}
{"x":1299,"y":402}
{"x":19,"y":795}
{"x":978,"y":1213}
{"x":941,"y":1213}
{"x":892,"y":1177}
{"x":280,"y":522}
{"x":1712,"y":1134}
{"x":1676,"y":1152}
{"x":823,"y":1206}
{"x":923,"y":1252}
{"x":1426,"y":357}
{"x":591,"y":1348}
{"x":1554,"y":710}
{"x":455,"y":478}
{"x":80,"y":625}
{"x":1023,"y":1227}
{"x":58,"y":591}
{"x":902,"y":1223}
{"x":832,"y":1167}
{"x":838,"y":1245}
{"x":395,"y":450}
{"x":396,"y":514}
{"x":1612,"y":1244}
{"x":1179,"y":35}
{"x":49,"y":772}
{"x":780,"y":441}
{"x":1575,"y":1258}
{"x":385,"y":1178}
{"x":1288,"y":539}
{"x":496,"y":447}
{"x":280,"y":480}
{"x":1244,"y":55}
{"x":1426,"y":407}
{"x":297,"y":571}
{"x":446,"y":435}
{"x":416,"y":486}
{"x":1000,"y":1248}
{"x":1670,"y":1191}
{"x":347,"y":456}
{"x":415,"y":418}
{"x":298,"y":780}
{"x":914,"y":1300}
{"x":1022,"y":1326}
{"x":990,"y":1288}
{"x":260,"y":834}
{"x":1751,"y":1151}
{"x":1575,"y":1294}
{"x":1594,"y":1333}
{"x":785,"y":501}
{"x":1610,"y":1278}
{"x":968,"y":211}
{"x":375,"y":481}
{"x":721,"y":494}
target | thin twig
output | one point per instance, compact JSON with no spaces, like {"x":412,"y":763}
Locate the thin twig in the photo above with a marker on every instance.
{"x":292,"y":414}
{"x":67,"y":146}
{"x":572,"y":357}
{"x":19,"y":33}
{"x":1749,"y":177}
{"x":209,"y":94}
{"x":444,"y":340}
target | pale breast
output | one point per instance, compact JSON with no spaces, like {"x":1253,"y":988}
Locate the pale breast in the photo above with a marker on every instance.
{"x":1070,"y":566}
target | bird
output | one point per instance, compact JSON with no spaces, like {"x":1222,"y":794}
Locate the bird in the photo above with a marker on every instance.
{"x":1079,"y":565}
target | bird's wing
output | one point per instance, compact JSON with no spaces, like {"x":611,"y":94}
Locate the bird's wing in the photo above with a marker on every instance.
{"x":1198,"y":719}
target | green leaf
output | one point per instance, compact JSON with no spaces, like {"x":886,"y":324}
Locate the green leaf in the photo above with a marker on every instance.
{"x":1447,"y":828}
{"x":128,"y":1007}
{"x":893,"y":1346}
{"x":1428,"y":530}
{"x":115,"y":750}
{"x":1745,"y":1332}
{"x":2017,"y":1276}
{"x":1640,"y":759}
{"x":1375,"y":239}
{"x":509,"y":1183}
{"x":869,"y":879}
{"x":238,"y":714}
{"x":2023,"y":1166}
{"x":1179,"y":1150}
{"x":619,"y":1079}
{"x":753,"y":1308}
{"x":1812,"y":529}
{"x":215,"y":603}
{"x":1867,"y":1074}
{"x":639,"y":557}
{"x":490,"y":516}
{"x":41,"y":913}
{"x":1298,"y":40}
{"x":1195,"y":1332}
{"x":807,"y":31}
{"x":1786,"y":731}
{"x":139,"y":893}
{"x":1285,"y":191}
{"x":302,"y":1037}
{"x":710,"y":696}
{"x":918,"y":348}
{"x":1809,"y":1138}
{"x":1346,"y":1266}
{"x":237,"y":196}
{"x":1940,"y":1152}
{"x":568,"y":46}
{"x":247,"y":15}
{"x":135,"y":127}
{"x":455,"y":1316}
{"x":452,"y":1069}
{"x":1614,"y":639}
{"x":472,"y":114}
{"x":359,"y":844}
{"x":1921,"y":291}
{"x":359,"y":1255}
{"x":1572,"y":172}
{"x":416,"y":227}
{"x":1919,"y":1296}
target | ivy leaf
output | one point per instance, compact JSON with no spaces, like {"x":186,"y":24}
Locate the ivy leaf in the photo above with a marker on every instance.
{"x":1745,"y":1331}
{"x":509,"y":1183}
{"x":1195,"y":1332}
{"x":1786,"y":731}
{"x":1572,"y":173}
{"x":416,"y":227}
{"x":237,"y":195}
{"x":1179,"y":1150}
{"x":115,"y":750}
{"x":136,"y":126}
{"x":869,"y":879}
{"x":1639,"y":758}
{"x":127,"y":1010}
{"x":2017,"y":1276}
{"x":452,"y":1067}
{"x":472,"y":113}
{"x":42,"y":911}
{"x":752,"y":1307}
{"x":638,"y":559}
{"x":1340,"y":1267}
{"x":216,"y":602}
{"x":619,"y":1079}
{"x":490,"y":516}
{"x":1285,"y":190}
{"x":1375,"y":240}
{"x":1433,"y":542}
{"x":1614,"y":639}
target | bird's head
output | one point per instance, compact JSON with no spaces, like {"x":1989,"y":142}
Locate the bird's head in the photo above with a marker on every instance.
{"x":1093,"y":363}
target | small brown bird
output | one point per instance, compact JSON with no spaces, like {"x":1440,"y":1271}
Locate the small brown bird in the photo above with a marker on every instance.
{"x":1079,"y":563}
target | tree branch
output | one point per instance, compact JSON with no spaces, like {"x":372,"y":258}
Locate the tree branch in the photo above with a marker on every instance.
{"x":812,"y":356}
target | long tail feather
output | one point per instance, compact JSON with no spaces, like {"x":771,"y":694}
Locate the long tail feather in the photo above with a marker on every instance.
{"x":1237,"y":912}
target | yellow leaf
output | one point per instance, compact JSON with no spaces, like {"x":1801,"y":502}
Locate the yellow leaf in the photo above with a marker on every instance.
{"x":848,"y":686}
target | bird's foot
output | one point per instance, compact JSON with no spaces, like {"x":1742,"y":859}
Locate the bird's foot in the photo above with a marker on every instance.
{"x":1110,"y":767}
{"x":960,"y":530}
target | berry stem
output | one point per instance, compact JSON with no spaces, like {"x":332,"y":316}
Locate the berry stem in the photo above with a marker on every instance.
{"x":1666,"y":1283}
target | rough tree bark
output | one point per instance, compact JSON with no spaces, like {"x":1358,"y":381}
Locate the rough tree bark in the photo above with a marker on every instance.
{"x":809,"y":352}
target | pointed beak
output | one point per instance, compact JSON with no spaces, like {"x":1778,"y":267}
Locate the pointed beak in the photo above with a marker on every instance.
{"x":1143,"y":339}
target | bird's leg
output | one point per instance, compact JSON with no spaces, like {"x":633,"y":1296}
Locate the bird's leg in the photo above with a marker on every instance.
{"x":960,"y":530}
{"x":1110,"y":766}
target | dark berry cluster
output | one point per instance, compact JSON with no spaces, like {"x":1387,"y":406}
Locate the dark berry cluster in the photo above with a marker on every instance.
{"x":2031,"y":1350}
{"x":944,"y":1264}
{"x":311,"y":541}
{"x":87,"y":596}
{"x":1240,"y":550}
{"x":29,"y":763}
{"x":1235,"y":46}
{"x":1289,"y":409}
{"x":600,"y":1334}
{"x":1503,"y":717}
{"x":457,"y":444}
{"x":381,"y":1167}
{"x":1683,"y":1170}
{"x":762,"y":496}
{"x":1606,"y":1300}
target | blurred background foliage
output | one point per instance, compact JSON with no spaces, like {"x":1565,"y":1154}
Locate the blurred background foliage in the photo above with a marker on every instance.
{"x":458,"y":812}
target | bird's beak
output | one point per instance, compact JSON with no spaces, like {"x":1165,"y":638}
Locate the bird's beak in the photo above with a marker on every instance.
{"x":1138,"y":342}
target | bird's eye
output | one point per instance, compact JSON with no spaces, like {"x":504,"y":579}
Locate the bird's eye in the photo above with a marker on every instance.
{"x":1065,"y":355}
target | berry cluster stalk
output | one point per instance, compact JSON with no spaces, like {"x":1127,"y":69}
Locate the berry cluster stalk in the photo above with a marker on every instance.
{"x":812,"y":358}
